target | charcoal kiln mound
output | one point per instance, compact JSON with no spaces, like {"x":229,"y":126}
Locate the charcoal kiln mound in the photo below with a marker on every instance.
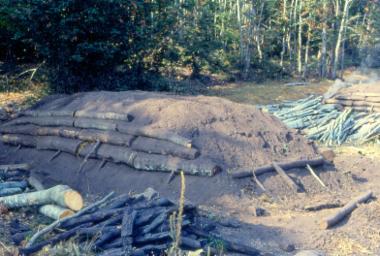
{"x":122,"y":141}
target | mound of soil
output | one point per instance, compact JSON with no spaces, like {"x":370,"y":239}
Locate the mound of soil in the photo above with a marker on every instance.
{"x":233,"y":135}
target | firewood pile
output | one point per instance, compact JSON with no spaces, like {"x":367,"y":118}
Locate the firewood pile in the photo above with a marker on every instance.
{"x":138,"y":224}
{"x":106,"y":136}
{"x":331,"y":121}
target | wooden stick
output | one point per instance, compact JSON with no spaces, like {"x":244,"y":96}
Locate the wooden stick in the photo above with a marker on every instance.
{"x":56,"y":154}
{"x":56,"y":223}
{"x":315,"y":175}
{"x":12,"y":167}
{"x":93,"y":150}
{"x":346,"y":210}
{"x":102,"y":164}
{"x":285,"y":177}
{"x":285,"y":166}
{"x":258,"y":182}
{"x":170,"y":177}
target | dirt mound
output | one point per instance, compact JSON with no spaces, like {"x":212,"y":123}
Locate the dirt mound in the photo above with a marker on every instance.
{"x":231,"y":135}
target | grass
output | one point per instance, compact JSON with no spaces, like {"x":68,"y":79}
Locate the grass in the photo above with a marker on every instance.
{"x":268,"y":93}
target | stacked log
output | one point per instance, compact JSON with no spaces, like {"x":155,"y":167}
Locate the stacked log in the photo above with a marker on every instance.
{"x":116,"y":139}
{"x":137,"y":225}
{"x":333,"y":121}
{"x":132,"y":158}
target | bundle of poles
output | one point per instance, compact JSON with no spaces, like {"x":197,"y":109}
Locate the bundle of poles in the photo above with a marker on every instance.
{"x":329,"y":121}
{"x":141,"y":224}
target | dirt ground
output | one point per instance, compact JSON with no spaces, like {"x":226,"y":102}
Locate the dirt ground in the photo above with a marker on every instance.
{"x":283,"y":219}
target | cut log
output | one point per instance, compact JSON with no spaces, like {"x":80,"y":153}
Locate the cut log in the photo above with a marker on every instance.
{"x":16,"y":140}
{"x":54,"y":113}
{"x":10,"y":191}
{"x":346,"y":210}
{"x":154,"y":133}
{"x":269,"y":168}
{"x":54,"y":211}
{"x":155,"y":146}
{"x":57,"y":143}
{"x":354,"y":103}
{"x":291,"y":184}
{"x":12,"y":167}
{"x":13,"y":184}
{"x":43,"y":121}
{"x":104,"y":115}
{"x":50,"y":210}
{"x":95,"y":124}
{"x":60,"y":194}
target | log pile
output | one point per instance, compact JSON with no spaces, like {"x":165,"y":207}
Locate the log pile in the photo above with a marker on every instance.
{"x":109,"y":137}
{"x":329,"y":121}
{"x":135,"y":225}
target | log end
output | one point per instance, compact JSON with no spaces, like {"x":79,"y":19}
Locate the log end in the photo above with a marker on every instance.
{"x":73,"y":200}
{"x":324,"y":225}
{"x":66,"y":213}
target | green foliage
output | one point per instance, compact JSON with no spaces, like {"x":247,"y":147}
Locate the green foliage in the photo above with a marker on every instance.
{"x":153,"y":44}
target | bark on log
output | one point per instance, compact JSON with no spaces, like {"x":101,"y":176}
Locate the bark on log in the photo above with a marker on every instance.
{"x":46,"y":113}
{"x":154,"y":133}
{"x":10,"y":191}
{"x":50,"y":210}
{"x":13,"y":184}
{"x":291,"y":184}
{"x":57,"y":143}
{"x":137,"y":160}
{"x":285,"y":165}
{"x":104,"y":115}
{"x":43,"y":121}
{"x":60,"y":194}
{"x":346,"y":210}
{"x":16,"y":174}
{"x":155,"y":146}
{"x":353,"y":103}
{"x":12,"y":167}
{"x":95,"y":124}
{"x":79,"y":113}
{"x":55,"y":212}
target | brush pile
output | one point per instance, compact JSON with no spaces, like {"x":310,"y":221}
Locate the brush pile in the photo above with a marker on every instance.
{"x":142,"y":224}
{"x":328,"y":121}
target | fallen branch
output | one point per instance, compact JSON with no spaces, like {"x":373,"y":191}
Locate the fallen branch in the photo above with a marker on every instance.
{"x":346,"y":210}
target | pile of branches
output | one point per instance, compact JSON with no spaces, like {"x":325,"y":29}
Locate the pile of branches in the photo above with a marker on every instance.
{"x":328,"y":123}
{"x":137,"y":225}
